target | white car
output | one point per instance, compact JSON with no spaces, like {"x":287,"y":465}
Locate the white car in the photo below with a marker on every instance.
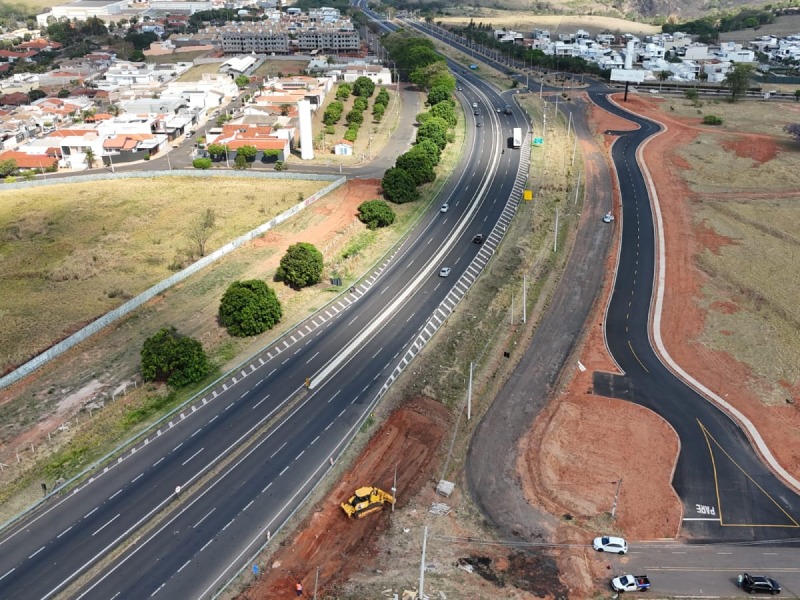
{"x":608,"y":217}
{"x":445,"y":208}
{"x":444,"y":272}
{"x":474,"y":105}
{"x":610,"y":544}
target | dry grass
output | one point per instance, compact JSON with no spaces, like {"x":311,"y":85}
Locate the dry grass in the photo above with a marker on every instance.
{"x":525,"y":21}
{"x":272,"y":66}
{"x":37,"y":6}
{"x":196,"y":72}
{"x":176,"y":57}
{"x":759,"y":271}
{"x":753,"y":206}
{"x":73,"y":252}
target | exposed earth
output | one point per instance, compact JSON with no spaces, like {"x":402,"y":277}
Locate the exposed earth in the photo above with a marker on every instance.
{"x":567,"y":471}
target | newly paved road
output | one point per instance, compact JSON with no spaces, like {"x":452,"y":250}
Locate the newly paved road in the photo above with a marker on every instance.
{"x":726,"y":490}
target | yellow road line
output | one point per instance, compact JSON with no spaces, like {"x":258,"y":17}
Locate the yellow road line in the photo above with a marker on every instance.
{"x":706,"y":435}
{"x":636,"y":357}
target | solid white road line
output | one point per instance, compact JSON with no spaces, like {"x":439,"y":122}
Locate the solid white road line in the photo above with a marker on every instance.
{"x":106,"y":525}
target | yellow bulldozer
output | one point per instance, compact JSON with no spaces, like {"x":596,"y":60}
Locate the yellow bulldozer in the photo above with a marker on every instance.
{"x":367,"y":500}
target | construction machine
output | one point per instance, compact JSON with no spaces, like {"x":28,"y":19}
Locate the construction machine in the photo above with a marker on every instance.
{"x":367,"y":500}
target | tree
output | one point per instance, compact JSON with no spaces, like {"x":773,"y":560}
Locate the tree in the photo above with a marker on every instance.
{"x":201,"y":163}
{"x":428,"y":147}
{"x":378,"y":111}
{"x":417,"y":164}
{"x":738,"y":80}
{"x":201,"y":229}
{"x":242,"y":81}
{"x":438,"y":94}
{"x":792,"y":129}
{"x":171,"y":357}
{"x":36,"y":94}
{"x":398,"y":186}
{"x":301,"y":266}
{"x":344,"y":91}
{"x":285,"y":109}
{"x":382,"y":97}
{"x":333,"y":113}
{"x":249,"y":308}
{"x":360,"y":103}
{"x":217,"y":151}
{"x":375,"y":213}
{"x":249,"y":152}
{"x":8,"y":167}
{"x":363,"y":86}
{"x":434,"y":129}
{"x":797,"y":95}
{"x":90,"y":158}
{"x":63,"y":93}
{"x":446,"y":112}
{"x":240,"y":163}
{"x":354,"y":116}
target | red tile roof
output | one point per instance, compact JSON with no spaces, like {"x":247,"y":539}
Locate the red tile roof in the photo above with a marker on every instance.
{"x":28,"y":161}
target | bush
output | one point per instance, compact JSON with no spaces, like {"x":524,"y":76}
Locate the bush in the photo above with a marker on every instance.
{"x":375,"y":213}
{"x":363,"y":86}
{"x":201,"y":163}
{"x":351,"y":134}
{"x":377,"y":112}
{"x":712,"y":120}
{"x":398,"y":186}
{"x":344,"y":91}
{"x":301,"y":266}
{"x":360,"y":103}
{"x":280,"y":165}
{"x":333,"y":113}
{"x":249,"y":308}
{"x":171,"y":357}
{"x":355,"y":116}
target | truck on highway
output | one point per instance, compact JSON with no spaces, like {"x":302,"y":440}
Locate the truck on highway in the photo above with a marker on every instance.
{"x":516,"y":138}
{"x":630,"y":583}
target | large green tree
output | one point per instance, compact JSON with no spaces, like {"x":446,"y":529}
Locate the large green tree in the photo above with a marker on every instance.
{"x":738,"y":80}
{"x":398,"y":186}
{"x":418,"y":164}
{"x":431,"y":149}
{"x":249,"y":308}
{"x":171,"y":357}
{"x":434,"y":129}
{"x":445,"y":111}
{"x":363,"y":86}
{"x":375,"y":213}
{"x":301,"y":266}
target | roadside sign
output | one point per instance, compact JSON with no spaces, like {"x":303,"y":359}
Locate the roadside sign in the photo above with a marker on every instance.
{"x":527,"y":195}
{"x":538,"y":141}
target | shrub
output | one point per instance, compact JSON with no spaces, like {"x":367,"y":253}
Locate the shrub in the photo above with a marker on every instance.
{"x":249,"y":308}
{"x":712,"y":120}
{"x":201,"y":163}
{"x":301,"y":266}
{"x":171,"y":357}
{"x":375,"y":213}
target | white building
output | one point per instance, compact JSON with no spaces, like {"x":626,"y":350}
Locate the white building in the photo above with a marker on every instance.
{"x":82,"y":10}
{"x":179,"y":7}
{"x":733,"y":52}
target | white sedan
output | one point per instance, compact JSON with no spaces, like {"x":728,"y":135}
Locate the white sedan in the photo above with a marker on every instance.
{"x":444,"y":272}
{"x":610,"y":544}
{"x":445,"y":208}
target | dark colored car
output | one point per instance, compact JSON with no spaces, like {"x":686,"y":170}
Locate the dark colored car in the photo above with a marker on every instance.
{"x":754,"y":584}
{"x":478,"y":239}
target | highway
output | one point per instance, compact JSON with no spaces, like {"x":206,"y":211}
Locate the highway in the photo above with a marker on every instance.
{"x":247,"y":452}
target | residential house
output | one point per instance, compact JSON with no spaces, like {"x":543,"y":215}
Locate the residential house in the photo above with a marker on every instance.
{"x":716,"y":70}
{"x":263,"y":137}
{"x":30,"y":161}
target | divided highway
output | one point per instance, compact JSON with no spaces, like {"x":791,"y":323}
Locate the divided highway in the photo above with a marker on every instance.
{"x":178,"y":514}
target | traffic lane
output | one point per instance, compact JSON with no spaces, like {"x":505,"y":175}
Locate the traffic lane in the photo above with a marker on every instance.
{"x":713,"y":569}
{"x":341,"y":413}
{"x":738,"y":477}
{"x":82,"y":542}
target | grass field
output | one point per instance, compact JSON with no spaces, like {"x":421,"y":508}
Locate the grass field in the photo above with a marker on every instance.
{"x":753,"y":205}
{"x":72,"y":252}
{"x":525,"y":21}
{"x":179,"y":57}
{"x":196,"y":72}
{"x":272,"y":66}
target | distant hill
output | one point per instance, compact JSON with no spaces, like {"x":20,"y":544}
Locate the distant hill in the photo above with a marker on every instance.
{"x":687,"y":9}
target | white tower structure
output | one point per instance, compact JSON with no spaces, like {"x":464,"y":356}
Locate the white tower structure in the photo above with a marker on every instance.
{"x":629,"y":54}
{"x":306,"y":134}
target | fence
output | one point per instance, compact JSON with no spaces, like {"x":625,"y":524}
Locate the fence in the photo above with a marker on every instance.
{"x":134,"y":303}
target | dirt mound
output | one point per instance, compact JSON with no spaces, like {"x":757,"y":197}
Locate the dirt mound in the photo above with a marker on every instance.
{"x":340,"y":546}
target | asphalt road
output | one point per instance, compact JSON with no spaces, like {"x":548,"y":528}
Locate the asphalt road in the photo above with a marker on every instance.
{"x":248,"y":451}
{"x":726,"y":490}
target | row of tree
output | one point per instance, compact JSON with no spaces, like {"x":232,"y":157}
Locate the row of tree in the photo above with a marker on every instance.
{"x":246,"y":308}
{"x":427,"y":69}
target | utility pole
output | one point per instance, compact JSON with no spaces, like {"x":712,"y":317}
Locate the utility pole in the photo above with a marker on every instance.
{"x":574,"y":150}
{"x":613,"y":508}
{"x":577,"y":188}
{"x":394,"y":487}
{"x":569,"y":124}
{"x":512,"y":308}
{"x":422,"y":565}
{"x":469,"y":394}
{"x":316,"y":581}
{"x":555,"y":236}
{"x":524,"y":299}
{"x":541,"y":86}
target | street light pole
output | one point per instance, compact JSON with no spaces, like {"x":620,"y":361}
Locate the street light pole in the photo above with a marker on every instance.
{"x":422,"y":565}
